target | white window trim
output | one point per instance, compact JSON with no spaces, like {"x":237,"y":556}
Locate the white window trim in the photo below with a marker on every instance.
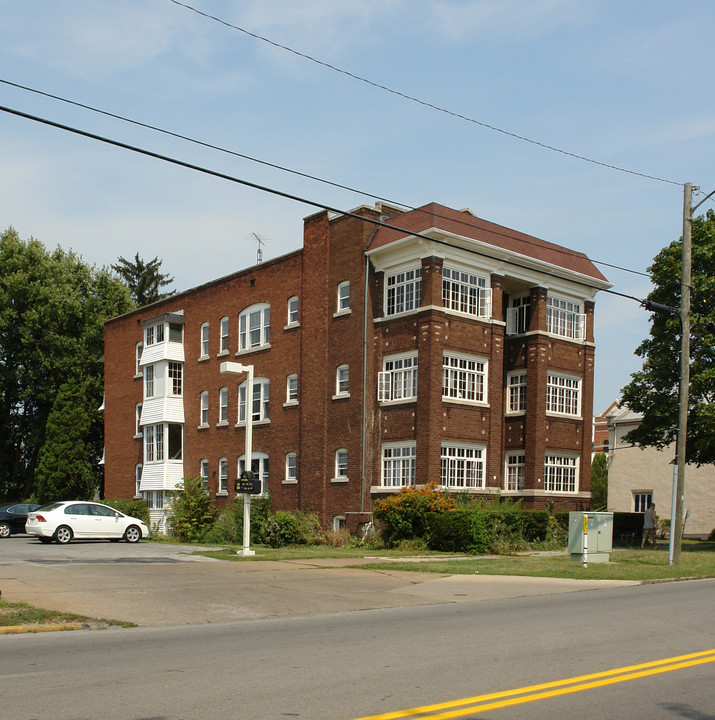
{"x":288,"y":479}
{"x":264,"y":329}
{"x":337,"y":478}
{"x":411,"y":459}
{"x":484,"y":402}
{"x":507,"y":465}
{"x":578,"y":317}
{"x":385,"y":378}
{"x":205,"y":338}
{"x":341,"y":394}
{"x":138,"y":349}
{"x":576,"y":459}
{"x":289,"y":402}
{"x":204,"y":395}
{"x":223,"y":462}
{"x":222,"y":421}
{"x":507,"y":398}
{"x":484,"y":293}
{"x":293,"y":323}
{"x":343,"y":310}
{"x":478,"y":461}
{"x":578,"y":390}
{"x":415,"y":283}
{"x":223,"y":322}
{"x":262,"y":386}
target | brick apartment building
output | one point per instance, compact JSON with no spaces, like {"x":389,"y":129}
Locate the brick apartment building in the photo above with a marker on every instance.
{"x":438,"y":347}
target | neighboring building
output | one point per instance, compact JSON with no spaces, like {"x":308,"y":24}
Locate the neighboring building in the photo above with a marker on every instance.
{"x":638,"y":476}
{"x":451,"y":350}
{"x":601,"y":441}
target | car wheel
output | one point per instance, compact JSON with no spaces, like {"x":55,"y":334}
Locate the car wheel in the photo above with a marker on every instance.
{"x":63,"y":534}
{"x":44,"y":540}
{"x":4,"y":530}
{"x":132,"y":534}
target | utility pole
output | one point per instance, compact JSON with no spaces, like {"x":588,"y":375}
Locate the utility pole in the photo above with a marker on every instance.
{"x":676,"y":516}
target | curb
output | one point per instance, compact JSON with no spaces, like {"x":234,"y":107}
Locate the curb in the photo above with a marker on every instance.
{"x":18,"y":629}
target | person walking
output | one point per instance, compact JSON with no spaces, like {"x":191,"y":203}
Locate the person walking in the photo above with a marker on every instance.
{"x":650,"y":525}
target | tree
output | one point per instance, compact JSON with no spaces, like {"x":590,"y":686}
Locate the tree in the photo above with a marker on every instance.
{"x":599,"y":482}
{"x":65,"y":470}
{"x":143,"y":279}
{"x":52,"y":312}
{"x":192,"y":512}
{"x":653,"y":390}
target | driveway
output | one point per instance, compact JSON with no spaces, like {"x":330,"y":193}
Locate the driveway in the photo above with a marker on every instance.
{"x":163,"y":584}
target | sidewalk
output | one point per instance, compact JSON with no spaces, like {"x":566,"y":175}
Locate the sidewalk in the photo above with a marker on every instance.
{"x":175,"y":588}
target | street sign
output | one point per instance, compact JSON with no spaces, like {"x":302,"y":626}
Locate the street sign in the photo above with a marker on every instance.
{"x":247,"y":483}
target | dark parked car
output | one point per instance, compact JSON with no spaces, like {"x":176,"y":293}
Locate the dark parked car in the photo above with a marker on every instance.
{"x":13,"y":518}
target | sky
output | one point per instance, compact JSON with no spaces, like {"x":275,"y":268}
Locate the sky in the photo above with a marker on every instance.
{"x":624,"y":84}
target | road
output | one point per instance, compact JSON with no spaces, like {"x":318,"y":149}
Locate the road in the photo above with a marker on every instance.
{"x":346,"y":665}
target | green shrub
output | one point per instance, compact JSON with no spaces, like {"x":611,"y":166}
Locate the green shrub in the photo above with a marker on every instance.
{"x":448,"y":531}
{"x":627,"y":528}
{"x":404,"y":513}
{"x":281,"y":529}
{"x":135,"y":508}
{"x":192,"y":512}
{"x":228,"y":527}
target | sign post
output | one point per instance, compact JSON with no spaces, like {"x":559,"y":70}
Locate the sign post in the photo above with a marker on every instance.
{"x":585,"y":540}
{"x":232,"y":368}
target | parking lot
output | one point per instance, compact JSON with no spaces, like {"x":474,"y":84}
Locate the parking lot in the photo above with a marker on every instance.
{"x":164,"y":584}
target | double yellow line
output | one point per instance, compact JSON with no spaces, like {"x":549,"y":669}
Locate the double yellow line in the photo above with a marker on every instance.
{"x":532,"y":693}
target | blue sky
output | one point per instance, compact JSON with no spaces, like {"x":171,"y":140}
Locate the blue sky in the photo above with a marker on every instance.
{"x":622,"y":83}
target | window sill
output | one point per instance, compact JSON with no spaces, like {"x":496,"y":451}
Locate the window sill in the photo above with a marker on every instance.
{"x":291,"y":326}
{"x":341,"y":396}
{"x":138,"y":436}
{"x":401,"y":401}
{"x":515,"y":413}
{"x":202,"y":427}
{"x":290,"y":482}
{"x":222,"y":353}
{"x":339,"y":480}
{"x":290,"y":403}
{"x":342,"y":313}
{"x":472,"y":403}
{"x":248,"y":351}
{"x":222,"y":493}
{"x":223,"y":423}
{"x":265,"y":421}
{"x":563,"y":416}
{"x":203,"y":358}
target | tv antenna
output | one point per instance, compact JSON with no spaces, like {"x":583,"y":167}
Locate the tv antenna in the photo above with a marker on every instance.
{"x":259,"y":252}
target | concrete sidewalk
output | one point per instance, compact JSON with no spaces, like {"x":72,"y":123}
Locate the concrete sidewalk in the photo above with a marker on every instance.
{"x":173,"y":588}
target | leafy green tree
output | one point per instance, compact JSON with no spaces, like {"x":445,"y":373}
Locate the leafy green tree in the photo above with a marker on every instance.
{"x":143,"y":279}
{"x":192,"y":512}
{"x":65,"y":470}
{"x":653,"y":390}
{"x":52,"y":312}
{"x":599,"y":482}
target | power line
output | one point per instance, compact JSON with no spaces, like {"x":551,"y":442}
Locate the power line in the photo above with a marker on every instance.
{"x":272,"y":191}
{"x":282,"y":168}
{"x":424,"y":103}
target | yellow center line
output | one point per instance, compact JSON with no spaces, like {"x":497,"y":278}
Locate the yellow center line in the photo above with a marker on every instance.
{"x":531,"y":693}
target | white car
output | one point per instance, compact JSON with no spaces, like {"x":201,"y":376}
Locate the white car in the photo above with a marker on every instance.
{"x":62,"y":521}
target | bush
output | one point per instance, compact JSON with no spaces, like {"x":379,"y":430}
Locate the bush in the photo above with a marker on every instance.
{"x":281,"y":529}
{"x":135,"y":508}
{"x":404,"y":513}
{"x":228,"y":527}
{"x":192,"y":512}
{"x":627,"y":528}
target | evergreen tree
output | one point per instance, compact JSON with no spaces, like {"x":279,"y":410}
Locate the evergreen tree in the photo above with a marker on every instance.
{"x":144,"y":280}
{"x":65,"y":469}
{"x":653,"y":390}
{"x":599,"y":482}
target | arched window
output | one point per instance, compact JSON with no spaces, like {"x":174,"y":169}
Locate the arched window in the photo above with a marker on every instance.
{"x":259,"y":406}
{"x":254,"y":327}
{"x":259,"y":467}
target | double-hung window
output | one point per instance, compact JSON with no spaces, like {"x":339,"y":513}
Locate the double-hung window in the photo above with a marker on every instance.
{"x":223,"y":406}
{"x":515,"y":471}
{"x":403,"y":291}
{"x":341,"y":464}
{"x":154,"y":443}
{"x":292,"y":389}
{"x":175,"y":377}
{"x":516,"y":392}
{"x":293,"y":311}
{"x":464,"y":378}
{"x":149,"y":381}
{"x":291,"y":467}
{"x":399,"y":465}
{"x":518,"y":315}
{"x":398,"y":379}
{"x":205,"y":340}
{"x":223,"y":476}
{"x":344,"y":296}
{"x":254,"y":327}
{"x":560,"y":473}
{"x":223,"y":340}
{"x":641,"y":501}
{"x":259,"y":405}
{"x":563,"y":394}
{"x":204,"y":473}
{"x":462,"y":466}
{"x":466,"y":292}
{"x":342,"y":381}
{"x":204,"y":408}
{"x":565,"y":318}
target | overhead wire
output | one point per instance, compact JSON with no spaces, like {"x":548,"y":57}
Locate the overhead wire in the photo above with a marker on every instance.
{"x":424,"y":103}
{"x":272,"y":191}
{"x":282,"y":168}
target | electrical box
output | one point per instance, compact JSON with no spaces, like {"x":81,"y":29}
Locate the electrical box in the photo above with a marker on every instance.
{"x":590,"y":536}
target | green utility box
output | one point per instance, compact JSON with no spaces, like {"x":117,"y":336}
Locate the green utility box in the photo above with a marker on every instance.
{"x":595,"y":544}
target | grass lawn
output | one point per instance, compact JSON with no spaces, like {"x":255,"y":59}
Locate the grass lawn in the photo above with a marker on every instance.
{"x":697,"y":561}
